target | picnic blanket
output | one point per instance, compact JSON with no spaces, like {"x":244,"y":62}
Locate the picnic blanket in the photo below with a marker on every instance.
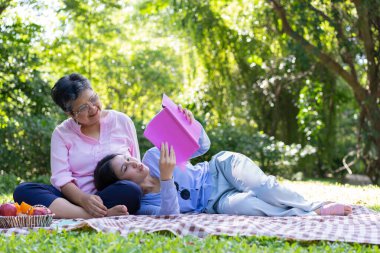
{"x":362,"y":226}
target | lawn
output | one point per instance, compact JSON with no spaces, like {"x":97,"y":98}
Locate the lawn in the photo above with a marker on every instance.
{"x":90,"y":241}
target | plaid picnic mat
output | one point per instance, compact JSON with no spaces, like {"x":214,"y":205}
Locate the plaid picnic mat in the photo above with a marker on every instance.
{"x":363,"y":226}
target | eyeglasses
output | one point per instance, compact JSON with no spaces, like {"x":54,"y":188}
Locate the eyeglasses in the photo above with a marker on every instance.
{"x":83,"y":109}
{"x":185,"y":193}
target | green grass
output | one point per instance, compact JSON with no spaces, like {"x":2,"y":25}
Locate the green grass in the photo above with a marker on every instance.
{"x":90,"y":241}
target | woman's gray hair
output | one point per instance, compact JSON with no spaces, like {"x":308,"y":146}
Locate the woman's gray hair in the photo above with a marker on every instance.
{"x":67,"y":89}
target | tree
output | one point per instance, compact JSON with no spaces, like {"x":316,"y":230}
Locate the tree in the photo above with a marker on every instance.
{"x":253,"y":79}
{"x":26,"y":117}
{"x":351,"y":51}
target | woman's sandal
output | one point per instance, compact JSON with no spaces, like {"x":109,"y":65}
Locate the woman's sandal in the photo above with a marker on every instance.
{"x":334,"y":209}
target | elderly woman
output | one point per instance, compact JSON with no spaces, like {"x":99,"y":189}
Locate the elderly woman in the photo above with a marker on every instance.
{"x":230,"y":183}
{"x":77,"y":144}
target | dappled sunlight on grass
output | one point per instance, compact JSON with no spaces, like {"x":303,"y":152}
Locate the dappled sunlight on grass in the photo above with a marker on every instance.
{"x":368,"y":196}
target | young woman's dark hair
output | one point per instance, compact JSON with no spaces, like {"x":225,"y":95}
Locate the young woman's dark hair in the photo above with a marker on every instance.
{"x":103,"y":174}
{"x":67,"y":89}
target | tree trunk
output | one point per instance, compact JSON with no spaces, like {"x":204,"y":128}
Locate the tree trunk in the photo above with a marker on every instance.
{"x":371,"y":149}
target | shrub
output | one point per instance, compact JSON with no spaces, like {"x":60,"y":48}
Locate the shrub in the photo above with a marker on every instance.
{"x":274,"y":157}
{"x":25,"y":151}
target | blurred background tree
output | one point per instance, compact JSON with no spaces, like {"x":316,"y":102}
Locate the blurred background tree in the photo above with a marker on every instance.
{"x":26,"y":118}
{"x":255,"y":87}
{"x":347,"y":42}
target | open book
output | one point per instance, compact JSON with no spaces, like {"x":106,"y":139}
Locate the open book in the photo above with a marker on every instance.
{"x":170,"y":125}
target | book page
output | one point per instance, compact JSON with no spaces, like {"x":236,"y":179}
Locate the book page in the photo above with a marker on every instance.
{"x":170,"y":125}
{"x":194,"y":129}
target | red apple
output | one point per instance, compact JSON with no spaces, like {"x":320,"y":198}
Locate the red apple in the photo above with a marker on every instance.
{"x":8,"y":209}
{"x":41,"y":210}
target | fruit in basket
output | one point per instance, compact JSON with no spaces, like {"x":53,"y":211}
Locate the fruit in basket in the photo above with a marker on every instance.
{"x":25,"y":207}
{"x":40,"y":210}
{"x":8,"y":209}
{"x":18,"y":208}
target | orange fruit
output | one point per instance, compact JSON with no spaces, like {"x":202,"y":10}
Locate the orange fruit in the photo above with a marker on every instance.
{"x":25,"y":207}
{"x":17,"y":207}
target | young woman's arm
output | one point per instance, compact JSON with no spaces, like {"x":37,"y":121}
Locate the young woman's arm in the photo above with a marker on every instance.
{"x":204,"y":141}
{"x":169,"y":198}
{"x":204,"y":144}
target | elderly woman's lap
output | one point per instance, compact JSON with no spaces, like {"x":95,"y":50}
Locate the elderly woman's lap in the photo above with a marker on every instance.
{"x":120,"y":193}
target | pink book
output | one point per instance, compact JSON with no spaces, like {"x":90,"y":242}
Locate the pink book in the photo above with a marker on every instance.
{"x":170,"y":125}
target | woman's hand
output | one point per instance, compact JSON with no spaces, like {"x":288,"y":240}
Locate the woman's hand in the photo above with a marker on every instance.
{"x":188,"y":114}
{"x":93,"y":204}
{"x":167,"y":162}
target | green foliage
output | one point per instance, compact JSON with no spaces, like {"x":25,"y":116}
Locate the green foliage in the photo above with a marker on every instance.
{"x":252,"y":76}
{"x":144,"y":144}
{"x":343,"y":35}
{"x":256,"y":91}
{"x":27,"y":146}
{"x":274,"y":157}
{"x":26,"y":118}
{"x":9,"y":181}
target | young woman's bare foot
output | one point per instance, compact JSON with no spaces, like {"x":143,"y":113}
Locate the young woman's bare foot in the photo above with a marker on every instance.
{"x":117,"y":210}
{"x":331,"y":208}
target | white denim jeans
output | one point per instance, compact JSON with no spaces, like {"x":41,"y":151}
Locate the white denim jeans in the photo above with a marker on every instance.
{"x":241,"y":187}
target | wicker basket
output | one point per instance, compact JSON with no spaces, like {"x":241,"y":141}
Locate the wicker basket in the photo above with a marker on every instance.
{"x":26,"y":221}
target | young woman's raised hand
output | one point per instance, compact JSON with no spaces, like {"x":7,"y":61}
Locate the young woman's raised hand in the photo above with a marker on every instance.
{"x":188,"y":114}
{"x":167,"y":162}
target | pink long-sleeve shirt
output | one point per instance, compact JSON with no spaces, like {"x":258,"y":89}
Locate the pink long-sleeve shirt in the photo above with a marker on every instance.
{"x":74,"y":155}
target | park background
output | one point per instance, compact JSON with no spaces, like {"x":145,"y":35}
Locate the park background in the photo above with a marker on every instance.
{"x":294,"y":85}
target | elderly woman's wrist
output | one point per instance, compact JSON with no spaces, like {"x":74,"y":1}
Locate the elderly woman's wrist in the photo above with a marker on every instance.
{"x":83,"y":199}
